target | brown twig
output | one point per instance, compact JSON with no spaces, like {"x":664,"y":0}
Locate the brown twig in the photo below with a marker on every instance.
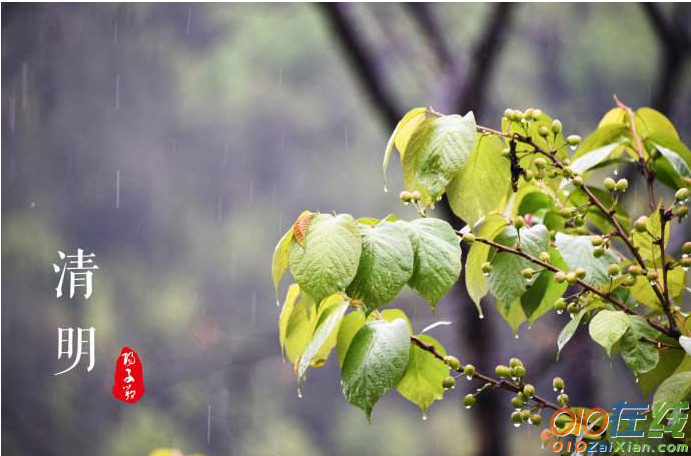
{"x":500,"y":384}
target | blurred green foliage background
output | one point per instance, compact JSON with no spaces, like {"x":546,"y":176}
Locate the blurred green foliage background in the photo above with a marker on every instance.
{"x":223,"y":122}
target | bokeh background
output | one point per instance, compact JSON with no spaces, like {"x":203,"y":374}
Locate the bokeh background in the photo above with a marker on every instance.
{"x":179,"y":141}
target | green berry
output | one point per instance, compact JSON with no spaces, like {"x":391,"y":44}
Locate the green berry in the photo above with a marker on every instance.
{"x":449,"y":382}
{"x":516,"y":417}
{"x":469,"y":370}
{"x":508,"y":113}
{"x":563,"y":398}
{"x":560,"y":277}
{"x":452,"y":362}
{"x":513,"y":362}
{"x":502,"y":371}
{"x":486,"y":267}
{"x":573,"y":308}
{"x":573,"y":140}
{"x":556,"y":126}
{"x":536,"y":113}
{"x":525,"y":415}
{"x":622,"y":185}
{"x":681,"y":211}
{"x":686,"y":248}
{"x":613,"y":270}
{"x":518,"y":371}
{"x":528,"y":175}
{"x":641,"y":224}
{"x":652,"y":275}
{"x":468,"y":238}
{"x":558,"y":384}
{"x":540,"y":162}
{"x":469,"y":400}
{"x":560,"y":305}
{"x":406,"y":196}
{"x":580,"y":273}
{"x":577,"y":181}
{"x":635,"y":270}
{"x":568,"y":171}
{"x":517,"y":115}
{"x":544,"y":256}
{"x":609,"y":184}
{"x":517,"y":402}
{"x":682,"y":194}
{"x":543,"y":130}
{"x":597,"y":240}
{"x":506,"y":152}
{"x":571,"y":278}
{"x":528,"y":114}
{"x":528,"y":273}
{"x":518,"y":222}
{"x":417,"y":196}
{"x":629,"y":281}
{"x":535,"y":419}
{"x":685,"y":262}
{"x":529,"y":390}
{"x":566,"y":212}
{"x":598,"y":251}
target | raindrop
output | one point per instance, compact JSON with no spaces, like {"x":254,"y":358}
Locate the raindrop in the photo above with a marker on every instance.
{"x":486,"y":274}
{"x":12,"y":114}
{"x":117,"y":189}
{"x":685,"y":268}
{"x":468,"y":377}
{"x":280,"y":77}
{"x":299,"y":394}
{"x":516,"y":336}
{"x":345,"y":127}
{"x":424,"y":417}
{"x":254,"y":308}
{"x":189,"y":20}
{"x":481,"y":316}
{"x":117,"y":92}
{"x":208,"y":425}
{"x":560,"y":311}
{"x":468,"y":406}
{"x":516,"y":425}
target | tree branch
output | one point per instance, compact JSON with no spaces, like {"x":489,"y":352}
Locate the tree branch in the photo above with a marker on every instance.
{"x":500,"y":384}
{"x":364,"y":60}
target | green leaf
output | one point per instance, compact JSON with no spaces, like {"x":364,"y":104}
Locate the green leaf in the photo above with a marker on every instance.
{"x":386,"y":264}
{"x":279,"y":262}
{"x":591,"y":159}
{"x":296,"y":323}
{"x":350,"y":325}
{"x":570,"y":328}
{"x":577,"y":251}
{"x":436,"y":152}
{"x":505,"y":280}
{"x":685,"y":343}
{"x":328,"y":262}
{"x":669,"y":362}
{"x":649,"y":121}
{"x":639,"y":356}
{"x":394,"y":314}
{"x":607,"y":327}
{"x":437,"y":254}
{"x":375,"y":362}
{"x":674,"y":161}
{"x":540,"y":298}
{"x":475,"y":280}
{"x":324,"y":337}
{"x":483,"y":181}
{"x":286,"y":311}
{"x":643,"y":292}
{"x":675,"y":389}
{"x":603,"y":136}
{"x":422,"y":381}
{"x":402,"y":133}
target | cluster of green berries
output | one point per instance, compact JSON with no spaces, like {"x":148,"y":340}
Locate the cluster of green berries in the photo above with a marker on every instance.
{"x":681,"y":210}
{"x":529,"y":115}
{"x":615,"y":186}
{"x":408,"y":197}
